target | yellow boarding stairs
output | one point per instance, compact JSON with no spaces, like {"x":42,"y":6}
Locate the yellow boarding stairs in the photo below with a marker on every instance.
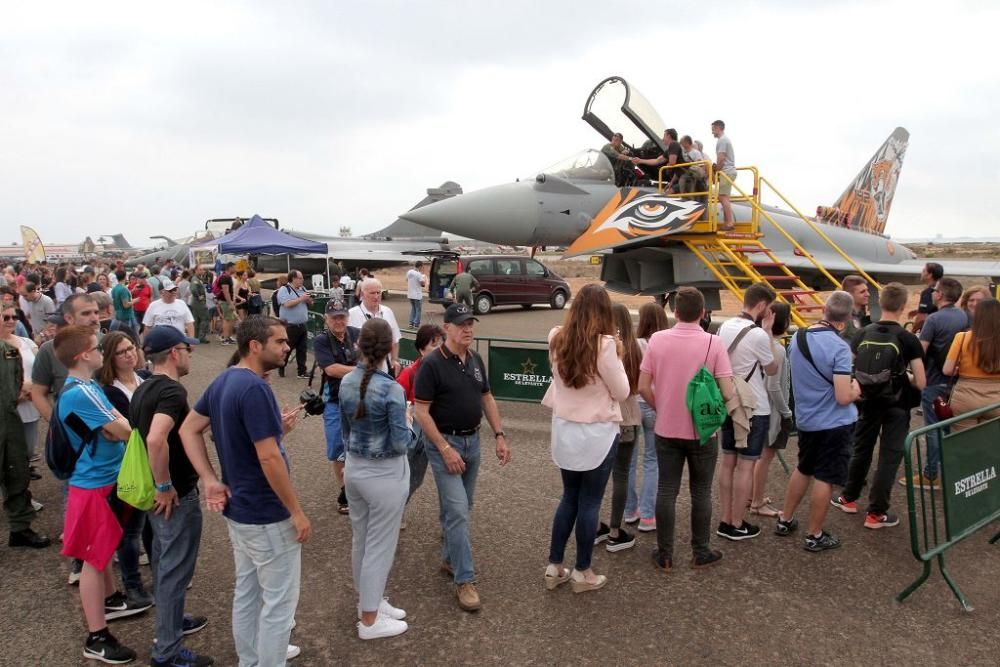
{"x":738,"y":257}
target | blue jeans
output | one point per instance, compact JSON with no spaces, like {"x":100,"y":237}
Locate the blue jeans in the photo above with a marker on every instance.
{"x":646,"y":500}
{"x":579,"y":507}
{"x":268,"y":569}
{"x":133,"y":523}
{"x":455,"y":493}
{"x":415,"y":305}
{"x":175,"y":552}
{"x":332,"y":432}
{"x":927,"y":397}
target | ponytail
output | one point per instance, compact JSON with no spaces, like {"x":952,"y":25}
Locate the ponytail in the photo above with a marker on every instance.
{"x":375,"y":343}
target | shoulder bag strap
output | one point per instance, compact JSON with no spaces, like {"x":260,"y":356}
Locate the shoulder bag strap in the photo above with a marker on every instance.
{"x":736,"y":342}
{"x":803,"y":337}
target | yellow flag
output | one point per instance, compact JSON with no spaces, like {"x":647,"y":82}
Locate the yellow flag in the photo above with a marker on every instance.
{"x":34,"y":251}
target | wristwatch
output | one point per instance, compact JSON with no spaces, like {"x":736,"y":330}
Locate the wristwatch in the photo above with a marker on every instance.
{"x":166,"y":486}
{"x":499,"y":434}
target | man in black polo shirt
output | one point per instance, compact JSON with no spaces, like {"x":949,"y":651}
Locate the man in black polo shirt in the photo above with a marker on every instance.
{"x":158,"y":408}
{"x":336,"y":354}
{"x":452,"y":392}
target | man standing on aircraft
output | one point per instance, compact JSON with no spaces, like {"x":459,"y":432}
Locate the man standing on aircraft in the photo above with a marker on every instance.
{"x":930,"y":275}
{"x":618,"y":155}
{"x":673,"y":155}
{"x":725,"y":161}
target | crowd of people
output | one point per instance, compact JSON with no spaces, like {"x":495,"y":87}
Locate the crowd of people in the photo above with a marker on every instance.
{"x":681,"y":395}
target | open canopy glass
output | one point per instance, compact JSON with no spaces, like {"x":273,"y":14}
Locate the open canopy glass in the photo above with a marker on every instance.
{"x":617,"y":106}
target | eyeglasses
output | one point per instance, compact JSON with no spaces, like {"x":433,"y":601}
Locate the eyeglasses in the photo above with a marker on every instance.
{"x":9,"y":318}
{"x":122,"y":353}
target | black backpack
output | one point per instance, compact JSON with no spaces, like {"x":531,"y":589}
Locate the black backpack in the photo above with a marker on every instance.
{"x":879,"y":366}
{"x":60,"y":455}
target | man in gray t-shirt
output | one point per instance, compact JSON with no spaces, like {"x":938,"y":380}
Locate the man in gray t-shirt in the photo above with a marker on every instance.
{"x":725,"y":162}
{"x":36,"y":307}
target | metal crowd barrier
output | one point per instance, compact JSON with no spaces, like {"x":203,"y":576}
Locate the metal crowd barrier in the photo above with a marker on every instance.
{"x":970,"y":493}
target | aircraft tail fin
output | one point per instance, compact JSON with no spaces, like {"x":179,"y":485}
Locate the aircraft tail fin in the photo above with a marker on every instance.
{"x":866,"y":202}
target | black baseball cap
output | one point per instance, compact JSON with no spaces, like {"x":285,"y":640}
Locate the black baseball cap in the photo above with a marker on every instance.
{"x":163,"y":337}
{"x":336,"y":307}
{"x":458,"y":313}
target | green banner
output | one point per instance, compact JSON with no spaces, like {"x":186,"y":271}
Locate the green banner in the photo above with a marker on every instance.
{"x":970,"y":461}
{"x":407,"y":352}
{"x":519,"y":374}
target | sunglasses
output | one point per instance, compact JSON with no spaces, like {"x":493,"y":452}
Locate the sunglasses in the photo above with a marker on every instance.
{"x":9,"y":318}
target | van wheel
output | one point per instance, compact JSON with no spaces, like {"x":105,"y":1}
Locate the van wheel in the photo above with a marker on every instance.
{"x":526,"y":306}
{"x":558,"y":300}
{"x":483,"y":304}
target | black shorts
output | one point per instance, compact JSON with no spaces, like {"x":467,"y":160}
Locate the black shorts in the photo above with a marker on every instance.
{"x":826,"y":454}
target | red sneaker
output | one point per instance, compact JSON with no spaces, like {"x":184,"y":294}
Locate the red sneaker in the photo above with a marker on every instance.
{"x":845,"y":505}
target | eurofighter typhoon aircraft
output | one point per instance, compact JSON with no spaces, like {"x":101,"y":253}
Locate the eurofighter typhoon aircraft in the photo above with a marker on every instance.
{"x":583,"y":203}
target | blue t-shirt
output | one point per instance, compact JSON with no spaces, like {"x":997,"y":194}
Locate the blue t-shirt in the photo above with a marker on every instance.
{"x":297,"y":314}
{"x":242,"y":410}
{"x":939,"y":331}
{"x":87,"y":401}
{"x":816,"y":407}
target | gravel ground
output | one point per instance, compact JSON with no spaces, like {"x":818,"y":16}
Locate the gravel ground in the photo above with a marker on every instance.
{"x":768,"y":602}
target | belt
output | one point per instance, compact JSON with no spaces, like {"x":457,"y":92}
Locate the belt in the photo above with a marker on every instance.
{"x":460,"y":431}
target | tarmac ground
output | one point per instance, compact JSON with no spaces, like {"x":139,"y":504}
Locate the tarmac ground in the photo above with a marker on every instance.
{"x":768,"y":602}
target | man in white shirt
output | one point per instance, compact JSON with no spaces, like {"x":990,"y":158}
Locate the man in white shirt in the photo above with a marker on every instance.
{"x":751,"y":357}
{"x":169,"y":310}
{"x":415,"y":283}
{"x":371,"y":306}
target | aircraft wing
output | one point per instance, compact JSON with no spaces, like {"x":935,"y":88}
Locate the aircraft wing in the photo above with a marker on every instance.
{"x":635,"y":218}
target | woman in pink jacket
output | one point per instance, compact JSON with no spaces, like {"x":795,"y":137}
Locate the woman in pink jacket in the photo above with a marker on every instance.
{"x":588,"y":382}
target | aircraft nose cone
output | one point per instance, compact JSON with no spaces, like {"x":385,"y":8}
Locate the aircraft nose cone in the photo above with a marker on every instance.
{"x":503,"y":214}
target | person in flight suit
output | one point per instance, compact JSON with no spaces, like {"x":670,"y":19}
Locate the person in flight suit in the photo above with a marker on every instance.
{"x":463,"y":285}
{"x":14,"y":454}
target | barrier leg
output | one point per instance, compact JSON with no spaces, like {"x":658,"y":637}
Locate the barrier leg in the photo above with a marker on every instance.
{"x":952,"y":585}
{"x":905,"y":593}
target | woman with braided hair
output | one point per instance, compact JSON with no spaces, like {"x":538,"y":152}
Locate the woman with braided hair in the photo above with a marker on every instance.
{"x":377,"y":434}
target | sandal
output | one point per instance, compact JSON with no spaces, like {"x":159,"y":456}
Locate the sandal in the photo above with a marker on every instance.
{"x":553,"y":582}
{"x":764,"y":509}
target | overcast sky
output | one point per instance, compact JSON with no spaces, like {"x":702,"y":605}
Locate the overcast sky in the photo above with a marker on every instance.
{"x":148,"y":118}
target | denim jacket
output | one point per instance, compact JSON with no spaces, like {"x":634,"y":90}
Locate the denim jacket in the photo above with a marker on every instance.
{"x":383,"y":432}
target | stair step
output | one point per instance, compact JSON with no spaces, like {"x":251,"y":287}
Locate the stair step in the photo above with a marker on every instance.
{"x":808,"y":306}
{"x":772,"y":279}
{"x":745,"y":249}
{"x":768,"y":265}
{"x":797,"y":292}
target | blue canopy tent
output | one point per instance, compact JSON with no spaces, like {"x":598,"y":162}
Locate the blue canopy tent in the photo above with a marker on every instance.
{"x":260,"y":238}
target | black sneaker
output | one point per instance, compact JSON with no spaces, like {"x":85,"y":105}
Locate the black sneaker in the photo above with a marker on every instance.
{"x":602,"y":533}
{"x":708,"y":558}
{"x":303,"y":376}
{"x":661,"y":561}
{"x":784,"y":528}
{"x":138,"y":597}
{"x":108,"y":649}
{"x":28,"y":538}
{"x":193,"y":624}
{"x":621,"y":543}
{"x":185,"y":657}
{"x":117,"y":605}
{"x":746,"y":531}
{"x":822,"y":543}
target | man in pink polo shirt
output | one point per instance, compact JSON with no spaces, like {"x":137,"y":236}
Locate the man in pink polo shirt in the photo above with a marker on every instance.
{"x":671,"y":360}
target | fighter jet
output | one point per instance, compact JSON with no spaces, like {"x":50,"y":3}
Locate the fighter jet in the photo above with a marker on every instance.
{"x":645,"y":234}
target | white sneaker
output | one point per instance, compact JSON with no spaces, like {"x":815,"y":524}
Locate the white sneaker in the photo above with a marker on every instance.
{"x":37,"y":506}
{"x":292,"y":652}
{"x":386,"y":609}
{"x":382,"y":627}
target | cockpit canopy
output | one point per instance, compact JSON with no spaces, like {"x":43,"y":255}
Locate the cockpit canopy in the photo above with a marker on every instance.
{"x":617,"y":106}
{"x":587,"y":165}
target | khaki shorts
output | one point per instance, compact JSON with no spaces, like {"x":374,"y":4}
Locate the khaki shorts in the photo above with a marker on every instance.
{"x":725,"y":187}
{"x":228,"y":311}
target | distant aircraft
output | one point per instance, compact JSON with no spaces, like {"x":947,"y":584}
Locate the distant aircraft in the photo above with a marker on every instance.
{"x":576,"y":203}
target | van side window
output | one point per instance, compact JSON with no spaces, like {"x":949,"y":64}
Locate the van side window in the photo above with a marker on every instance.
{"x":480,"y":267}
{"x":534,"y":269}
{"x":508,"y":267}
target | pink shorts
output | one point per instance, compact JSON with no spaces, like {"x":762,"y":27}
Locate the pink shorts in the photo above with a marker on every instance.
{"x":91,"y":531}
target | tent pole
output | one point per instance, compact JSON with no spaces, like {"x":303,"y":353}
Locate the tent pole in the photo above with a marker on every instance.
{"x":288,"y":261}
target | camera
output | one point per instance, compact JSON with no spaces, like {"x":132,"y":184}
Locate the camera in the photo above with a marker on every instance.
{"x":312,"y":401}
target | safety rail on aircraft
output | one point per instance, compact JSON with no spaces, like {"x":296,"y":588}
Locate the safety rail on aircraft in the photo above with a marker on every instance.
{"x":711,"y":197}
{"x":822,"y":235}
